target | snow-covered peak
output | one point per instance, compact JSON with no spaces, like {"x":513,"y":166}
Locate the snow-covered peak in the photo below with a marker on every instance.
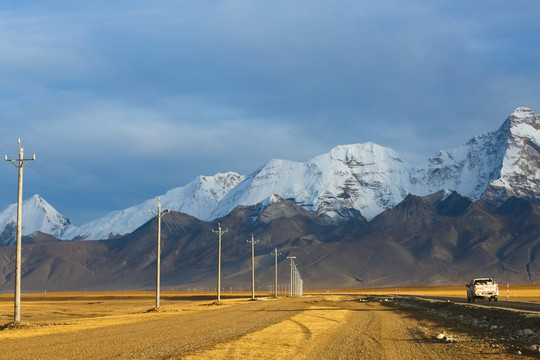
{"x":220,"y":184}
{"x":468,"y":169}
{"x":522,"y":113}
{"x":367,"y":156}
{"x":366,"y":178}
{"x":520,"y":167}
{"x":365,"y":151}
{"x":37,"y":215}
{"x":493,"y":165}
{"x":524,"y":123}
{"x":198,"y":198}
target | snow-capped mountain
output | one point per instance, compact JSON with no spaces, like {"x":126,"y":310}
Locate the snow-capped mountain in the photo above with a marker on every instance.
{"x":198,"y":198}
{"x":371,"y":178}
{"x":365,"y":178}
{"x":467,"y":169}
{"x":494,"y":165}
{"x":38,"y":215}
{"x":519,"y":173}
{"x":361,"y":177}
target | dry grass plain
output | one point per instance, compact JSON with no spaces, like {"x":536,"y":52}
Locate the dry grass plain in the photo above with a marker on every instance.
{"x":515,"y":292}
{"x":319,"y":325}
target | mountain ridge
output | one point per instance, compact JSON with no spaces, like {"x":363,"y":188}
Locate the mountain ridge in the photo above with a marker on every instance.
{"x":440,"y":239}
{"x":38,"y":216}
{"x":354,"y":179}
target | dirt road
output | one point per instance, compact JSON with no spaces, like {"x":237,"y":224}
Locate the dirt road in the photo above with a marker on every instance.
{"x":299,"y":328}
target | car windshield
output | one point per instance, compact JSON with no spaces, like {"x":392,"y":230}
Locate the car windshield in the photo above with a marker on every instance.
{"x":484,"y":282}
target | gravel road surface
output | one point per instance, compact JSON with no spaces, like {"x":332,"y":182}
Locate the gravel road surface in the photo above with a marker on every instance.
{"x":317,"y":327}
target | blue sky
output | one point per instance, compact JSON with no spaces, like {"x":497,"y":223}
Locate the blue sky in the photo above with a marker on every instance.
{"x":124,"y":100}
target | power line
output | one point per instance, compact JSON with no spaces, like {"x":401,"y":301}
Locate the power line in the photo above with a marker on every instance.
{"x":83,"y":174}
{"x":101,"y":185}
{"x":88,"y":177}
{"x":85,"y":189}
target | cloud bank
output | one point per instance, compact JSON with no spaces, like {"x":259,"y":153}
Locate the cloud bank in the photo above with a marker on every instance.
{"x":123,"y":100}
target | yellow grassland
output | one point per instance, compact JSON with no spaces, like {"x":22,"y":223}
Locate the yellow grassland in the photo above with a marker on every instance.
{"x":74,"y":306}
{"x":515,"y":292}
{"x":55,"y":313}
{"x":66,"y":312}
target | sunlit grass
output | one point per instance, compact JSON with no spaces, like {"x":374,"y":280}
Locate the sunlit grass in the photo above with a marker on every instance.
{"x":515,"y":292}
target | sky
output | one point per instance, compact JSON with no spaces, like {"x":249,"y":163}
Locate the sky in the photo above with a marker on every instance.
{"x":124,"y":100}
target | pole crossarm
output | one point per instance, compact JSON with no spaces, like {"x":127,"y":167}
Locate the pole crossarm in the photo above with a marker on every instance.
{"x":220,"y":233}
{"x":19,"y":164}
{"x":159,"y":214}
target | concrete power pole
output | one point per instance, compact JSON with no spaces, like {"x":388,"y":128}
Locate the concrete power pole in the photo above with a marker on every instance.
{"x":159,"y":215}
{"x":275,"y":253}
{"x":291,"y":292}
{"x":19,"y":163}
{"x":219,"y":232}
{"x":253,"y":242}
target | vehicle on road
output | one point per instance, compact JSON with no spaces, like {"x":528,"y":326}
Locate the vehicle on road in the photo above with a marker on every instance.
{"x":482,"y":288}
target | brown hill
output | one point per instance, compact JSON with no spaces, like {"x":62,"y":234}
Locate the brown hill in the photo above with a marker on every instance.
{"x":442,"y":238}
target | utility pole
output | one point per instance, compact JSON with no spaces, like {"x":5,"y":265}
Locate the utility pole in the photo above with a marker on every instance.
{"x":292,"y":279}
{"x":19,"y":164}
{"x":299,"y":284}
{"x":253,"y":241}
{"x":219,"y":232}
{"x":275,"y":253}
{"x":159,"y":215}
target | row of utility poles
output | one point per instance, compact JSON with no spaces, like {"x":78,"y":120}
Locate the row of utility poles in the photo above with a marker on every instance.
{"x":296,"y":280}
{"x":296,"y":285}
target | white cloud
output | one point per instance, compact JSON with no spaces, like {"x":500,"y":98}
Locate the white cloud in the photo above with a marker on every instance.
{"x":229,"y":84}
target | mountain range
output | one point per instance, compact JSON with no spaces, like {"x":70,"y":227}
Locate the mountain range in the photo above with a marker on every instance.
{"x":353,"y":179}
{"x":354,"y":217}
{"x":439,"y":239}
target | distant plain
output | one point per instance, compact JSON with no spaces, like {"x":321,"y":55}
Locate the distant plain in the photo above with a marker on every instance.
{"x":321,"y":324}
{"x":62,"y":306}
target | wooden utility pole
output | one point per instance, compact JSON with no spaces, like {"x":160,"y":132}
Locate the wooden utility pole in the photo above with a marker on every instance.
{"x":159,"y":215}
{"x":19,"y":163}
{"x":275,"y":253}
{"x":292,"y":278}
{"x":219,"y":232}
{"x":252,"y":241}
